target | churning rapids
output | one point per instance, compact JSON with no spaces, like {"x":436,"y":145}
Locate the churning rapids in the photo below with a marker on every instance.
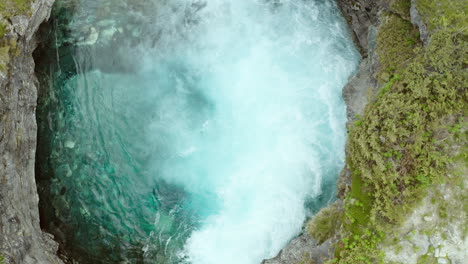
{"x":188,"y":131}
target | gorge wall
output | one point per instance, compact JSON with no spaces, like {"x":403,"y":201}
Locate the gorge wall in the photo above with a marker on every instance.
{"x":21,"y":238}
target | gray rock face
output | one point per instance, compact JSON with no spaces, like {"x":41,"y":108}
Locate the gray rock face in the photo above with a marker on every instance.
{"x":362,"y":18}
{"x":416,"y":20}
{"x":21,"y":238}
{"x":362,"y":86}
{"x":355,"y":93}
{"x":303,"y":248}
{"x":361,"y":15}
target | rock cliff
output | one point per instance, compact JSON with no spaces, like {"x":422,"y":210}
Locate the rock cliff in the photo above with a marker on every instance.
{"x":21,"y":238}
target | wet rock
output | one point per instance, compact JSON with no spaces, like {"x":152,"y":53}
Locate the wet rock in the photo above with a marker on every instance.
{"x":356,"y":90}
{"x":363,"y":21}
{"x":361,"y":15}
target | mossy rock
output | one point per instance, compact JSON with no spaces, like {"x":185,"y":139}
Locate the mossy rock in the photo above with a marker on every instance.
{"x":4,"y":59}
{"x":325,"y":224}
{"x":444,"y":14}
{"x":401,"y":7}
{"x":11,"y":8}
{"x":427,"y":259}
{"x":307,"y":260}
{"x":3,"y":29}
{"x":396,"y":41}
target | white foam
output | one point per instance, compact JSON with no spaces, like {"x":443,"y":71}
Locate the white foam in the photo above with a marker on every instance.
{"x":254,"y":121}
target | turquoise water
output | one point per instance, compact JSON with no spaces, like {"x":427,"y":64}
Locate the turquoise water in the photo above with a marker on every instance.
{"x":183,"y":131}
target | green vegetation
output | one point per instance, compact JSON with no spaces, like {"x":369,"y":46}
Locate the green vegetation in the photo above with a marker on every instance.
{"x":8,"y":49}
{"x":396,"y":41}
{"x":3,"y":29}
{"x":2,"y":259}
{"x":428,"y":258}
{"x":4,"y":58}
{"x":325,"y":224}
{"x":403,"y":144}
{"x":442,"y":14}
{"x":401,"y":8}
{"x":10,"y":8}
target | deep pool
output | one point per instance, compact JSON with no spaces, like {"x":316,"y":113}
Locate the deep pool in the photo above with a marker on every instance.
{"x":189,"y":131}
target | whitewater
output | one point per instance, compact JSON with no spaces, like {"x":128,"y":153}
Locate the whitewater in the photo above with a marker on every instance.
{"x":271,"y":125}
{"x":229,"y":125}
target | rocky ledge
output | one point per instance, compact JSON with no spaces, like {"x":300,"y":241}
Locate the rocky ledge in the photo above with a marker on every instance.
{"x":21,"y":238}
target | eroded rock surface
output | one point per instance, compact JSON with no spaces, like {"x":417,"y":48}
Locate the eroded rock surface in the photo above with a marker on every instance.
{"x":21,"y":238}
{"x":434,"y":231}
{"x":303,"y":248}
{"x":416,"y":20}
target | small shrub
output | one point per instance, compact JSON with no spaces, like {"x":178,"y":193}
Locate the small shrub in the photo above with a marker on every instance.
{"x":324,"y":225}
{"x":396,"y":41}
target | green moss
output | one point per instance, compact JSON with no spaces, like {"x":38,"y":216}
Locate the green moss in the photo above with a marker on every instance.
{"x":358,"y":204}
{"x":400,"y":149}
{"x":428,"y":258}
{"x":443,"y":14}
{"x":3,"y":29}
{"x":8,"y":9}
{"x":403,"y":123}
{"x":8,"y":50}
{"x":444,"y":236}
{"x":11,"y":8}
{"x":401,"y":7}
{"x":4,"y":58}
{"x":325,"y":224}
{"x":395,"y":45}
